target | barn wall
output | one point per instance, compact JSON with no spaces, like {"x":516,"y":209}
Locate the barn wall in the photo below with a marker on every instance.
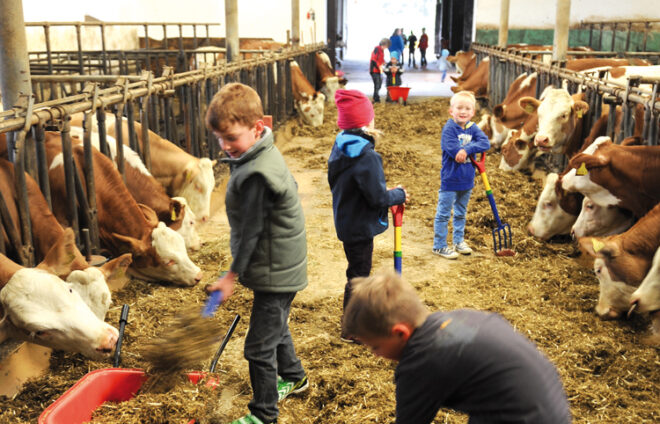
{"x":533,"y":22}
{"x":257,"y":18}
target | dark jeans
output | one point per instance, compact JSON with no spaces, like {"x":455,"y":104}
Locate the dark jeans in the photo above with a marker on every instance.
{"x":422,"y":61}
{"x":359,"y":255}
{"x":269,"y":351}
{"x":378,"y":82}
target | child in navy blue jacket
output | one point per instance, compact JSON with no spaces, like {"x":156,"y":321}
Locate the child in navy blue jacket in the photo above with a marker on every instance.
{"x":460,"y":138}
{"x":360,"y":198}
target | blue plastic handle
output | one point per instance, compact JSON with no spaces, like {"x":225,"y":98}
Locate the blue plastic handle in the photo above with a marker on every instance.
{"x":214,"y":300}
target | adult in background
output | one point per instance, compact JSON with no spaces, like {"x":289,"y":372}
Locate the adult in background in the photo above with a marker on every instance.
{"x":397,"y":43}
{"x":423,"y":45}
{"x":412,"y":41}
{"x":376,"y":66}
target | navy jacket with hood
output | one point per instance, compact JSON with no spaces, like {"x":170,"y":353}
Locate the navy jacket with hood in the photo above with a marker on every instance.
{"x":360,"y":198}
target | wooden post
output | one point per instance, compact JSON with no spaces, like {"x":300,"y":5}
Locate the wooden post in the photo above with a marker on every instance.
{"x":231,"y":33}
{"x":504,"y":24}
{"x":560,"y":43}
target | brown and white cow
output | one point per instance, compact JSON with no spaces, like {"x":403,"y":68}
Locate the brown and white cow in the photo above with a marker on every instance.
{"x":144,"y":188}
{"x":39,"y":307}
{"x":596,"y":220}
{"x":560,"y":118}
{"x":477,"y":82}
{"x":308,"y":102}
{"x":326,"y":77}
{"x":556,"y":210}
{"x":159,"y":253}
{"x":518,"y":149}
{"x":647,"y":297}
{"x":622,"y":262}
{"x":465,"y":62}
{"x":617,"y":175}
{"x":182,"y":174}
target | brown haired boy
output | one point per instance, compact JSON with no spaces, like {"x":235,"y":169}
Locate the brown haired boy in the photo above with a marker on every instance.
{"x":467,"y":360}
{"x":267,"y":243}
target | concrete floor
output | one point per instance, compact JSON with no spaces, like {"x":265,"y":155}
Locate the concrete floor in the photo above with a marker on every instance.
{"x":423,"y":83}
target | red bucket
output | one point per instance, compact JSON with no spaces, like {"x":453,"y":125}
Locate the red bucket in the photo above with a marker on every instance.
{"x":397,"y":92}
{"x":77,"y":404}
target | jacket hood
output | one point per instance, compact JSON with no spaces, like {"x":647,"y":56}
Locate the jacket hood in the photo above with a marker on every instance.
{"x":348,"y":147}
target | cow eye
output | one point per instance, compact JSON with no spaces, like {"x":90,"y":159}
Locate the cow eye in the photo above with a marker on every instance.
{"x":39,"y":333}
{"x":70,"y":290}
{"x":548,"y":205}
{"x":589,"y":206}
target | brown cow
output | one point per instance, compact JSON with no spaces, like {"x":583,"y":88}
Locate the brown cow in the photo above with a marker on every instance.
{"x":159,"y":253}
{"x":477,"y":82}
{"x":326,"y":77}
{"x":308,"y":102}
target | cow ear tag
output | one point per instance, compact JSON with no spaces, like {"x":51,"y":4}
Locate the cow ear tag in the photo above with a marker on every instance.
{"x":173,"y":215}
{"x":529,"y":108}
{"x":598,"y":245}
{"x":579,"y":113}
{"x":582,"y":170}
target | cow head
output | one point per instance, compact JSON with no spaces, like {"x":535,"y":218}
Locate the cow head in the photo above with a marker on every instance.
{"x":311,"y":108}
{"x":329,"y":86}
{"x":618,"y":270}
{"x":518,"y":151}
{"x":41,"y":308}
{"x":558,"y":114}
{"x":494,"y":130}
{"x":647,"y":295}
{"x":579,"y":178}
{"x":188,"y":224}
{"x":161,"y":256}
{"x":595,"y":220}
{"x":197,"y":187}
{"x":551,"y":217}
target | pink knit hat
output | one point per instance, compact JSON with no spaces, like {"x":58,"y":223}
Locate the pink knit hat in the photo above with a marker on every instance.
{"x":354,"y":110}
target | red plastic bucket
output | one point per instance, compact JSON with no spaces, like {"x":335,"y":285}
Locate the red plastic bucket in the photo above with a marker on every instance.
{"x":77,"y":404}
{"x":397,"y":91}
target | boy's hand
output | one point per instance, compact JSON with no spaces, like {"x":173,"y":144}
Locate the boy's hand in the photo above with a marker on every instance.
{"x":461,"y":156}
{"x":405,"y":192}
{"x":225,"y":284}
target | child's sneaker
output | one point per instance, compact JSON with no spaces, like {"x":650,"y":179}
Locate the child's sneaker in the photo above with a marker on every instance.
{"x":446,"y":252}
{"x":462,"y":248}
{"x":250,"y":419}
{"x":286,"y":388}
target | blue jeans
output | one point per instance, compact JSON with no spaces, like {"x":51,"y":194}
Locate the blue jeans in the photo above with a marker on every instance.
{"x":269,"y":351}
{"x":458,"y":200}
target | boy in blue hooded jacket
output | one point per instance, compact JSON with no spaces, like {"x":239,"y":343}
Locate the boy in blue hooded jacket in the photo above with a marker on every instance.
{"x":360,"y":198}
{"x":460,"y":138}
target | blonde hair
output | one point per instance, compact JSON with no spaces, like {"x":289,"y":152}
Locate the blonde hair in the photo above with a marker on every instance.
{"x":468,"y":95}
{"x":234,"y":103}
{"x":378,"y":303}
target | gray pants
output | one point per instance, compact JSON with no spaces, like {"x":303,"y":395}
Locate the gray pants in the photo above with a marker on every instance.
{"x":269,"y":351}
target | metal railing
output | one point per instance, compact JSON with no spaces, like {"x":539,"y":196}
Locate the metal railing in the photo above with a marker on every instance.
{"x":639,"y":28}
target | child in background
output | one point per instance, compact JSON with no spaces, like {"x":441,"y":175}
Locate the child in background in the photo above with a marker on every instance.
{"x":393,"y":73}
{"x":376,"y":66}
{"x":460,"y":139}
{"x":360,"y":198}
{"x":443,"y":64}
{"x":467,"y":360}
{"x":267,"y":243}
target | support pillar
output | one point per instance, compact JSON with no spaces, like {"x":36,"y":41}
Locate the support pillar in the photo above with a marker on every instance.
{"x":504,"y":24}
{"x":560,"y":43}
{"x":295,"y":22}
{"x":231,"y":33}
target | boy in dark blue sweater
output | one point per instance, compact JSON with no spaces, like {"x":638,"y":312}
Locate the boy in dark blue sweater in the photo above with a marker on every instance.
{"x":360,"y":198}
{"x":460,"y":139}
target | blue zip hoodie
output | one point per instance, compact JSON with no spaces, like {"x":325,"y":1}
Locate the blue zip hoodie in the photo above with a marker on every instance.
{"x":360,"y":197}
{"x":456,"y":176}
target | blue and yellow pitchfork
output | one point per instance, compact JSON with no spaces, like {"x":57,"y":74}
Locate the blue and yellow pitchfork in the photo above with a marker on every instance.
{"x":502,"y":243}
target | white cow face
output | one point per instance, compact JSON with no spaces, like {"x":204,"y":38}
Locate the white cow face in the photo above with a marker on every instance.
{"x":93,"y":290}
{"x":549,"y":218}
{"x":329,"y":87}
{"x":614,"y":297}
{"x":198,"y":186}
{"x":647,"y":295}
{"x":311,"y":109}
{"x":595,"y":220}
{"x":43,"y":309}
{"x":188,"y":228}
{"x":174,"y":264}
{"x":518,"y":151}
{"x":493,"y":128}
{"x":574,"y":181}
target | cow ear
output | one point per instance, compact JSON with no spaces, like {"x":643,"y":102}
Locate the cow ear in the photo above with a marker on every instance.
{"x":634,"y":140}
{"x":498,"y":110}
{"x":592,"y":246}
{"x":176,"y":209}
{"x":580,"y":108}
{"x":589,"y":161}
{"x":149,"y":215}
{"x":520,"y":144}
{"x":528,"y":104}
{"x":7,"y":269}
{"x":115,"y":271}
{"x":134,"y":245}
{"x":64,"y":256}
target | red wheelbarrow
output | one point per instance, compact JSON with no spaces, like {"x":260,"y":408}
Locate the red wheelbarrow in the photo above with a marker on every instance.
{"x":398,"y":93}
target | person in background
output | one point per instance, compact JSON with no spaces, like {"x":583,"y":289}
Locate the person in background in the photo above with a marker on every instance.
{"x":460,"y":138}
{"x":443,"y":64}
{"x":376,"y":66}
{"x":268,"y":244}
{"x":393,"y":72}
{"x":471,"y":361}
{"x":396,"y":42}
{"x":360,"y":197}
{"x":423,"y":45}
{"x":412,"y":42}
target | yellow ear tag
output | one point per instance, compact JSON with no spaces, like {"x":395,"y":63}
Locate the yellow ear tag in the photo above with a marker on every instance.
{"x":173,"y":215}
{"x":529,"y":108}
{"x":598,"y":245}
{"x":582,"y":170}
{"x":579,"y":113}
